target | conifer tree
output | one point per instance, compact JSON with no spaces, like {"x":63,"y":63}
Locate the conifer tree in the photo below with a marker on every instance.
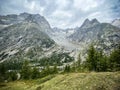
{"x":2,"y":72}
{"x":91,"y":59}
{"x":26,"y":70}
{"x":55,"y":70}
{"x":67,"y":68}
{"x":79,"y":61}
{"x":35,"y":73}
{"x":114,"y":59}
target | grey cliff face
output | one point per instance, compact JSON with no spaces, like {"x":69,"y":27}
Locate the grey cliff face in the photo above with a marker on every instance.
{"x":22,"y":33}
{"x":104,"y":35}
{"x":87,"y":23}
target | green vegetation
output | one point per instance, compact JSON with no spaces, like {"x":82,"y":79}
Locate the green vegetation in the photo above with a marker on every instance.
{"x":13,"y":64}
{"x":16,"y":65}
{"x":35,"y":73}
{"x":7,"y":75}
{"x":71,"y":81}
{"x":2,"y":72}
{"x":114,"y":60}
{"x":96,"y":61}
{"x":26,"y":70}
{"x":67,"y":68}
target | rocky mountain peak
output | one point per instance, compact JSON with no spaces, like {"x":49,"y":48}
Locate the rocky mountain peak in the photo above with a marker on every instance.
{"x":23,"y":33}
{"x":94,"y":21}
{"x":24,"y":14}
{"x":87,"y":23}
{"x":22,"y":17}
{"x":32,"y":17}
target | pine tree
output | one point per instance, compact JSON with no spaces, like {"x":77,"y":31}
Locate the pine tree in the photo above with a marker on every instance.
{"x":2,"y":69}
{"x":2,"y":72}
{"x":115,"y":59}
{"x":91,"y":59}
{"x":26,"y":70}
{"x":73,"y":68}
{"x":35,"y":73}
{"x":12,"y":76}
{"x":67,"y":68}
{"x":101,"y":61}
{"x":55,"y":70}
{"x":79,"y":61}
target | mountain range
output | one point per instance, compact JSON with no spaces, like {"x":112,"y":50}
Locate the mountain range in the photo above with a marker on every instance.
{"x":30,"y":36}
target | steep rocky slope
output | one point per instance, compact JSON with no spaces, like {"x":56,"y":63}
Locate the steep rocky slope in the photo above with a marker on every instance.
{"x":24,"y":33}
{"x":103,"y":35}
{"x":29,"y":37}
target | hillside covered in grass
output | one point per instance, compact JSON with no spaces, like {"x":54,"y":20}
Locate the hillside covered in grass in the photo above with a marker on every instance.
{"x":70,"y":81}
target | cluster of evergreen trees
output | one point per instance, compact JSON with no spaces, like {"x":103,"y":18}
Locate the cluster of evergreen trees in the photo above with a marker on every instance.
{"x":98,"y":61}
{"x":6,"y":74}
{"x":28,"y":72}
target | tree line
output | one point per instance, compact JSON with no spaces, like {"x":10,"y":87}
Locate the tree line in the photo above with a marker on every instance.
{"x":97,"y":61}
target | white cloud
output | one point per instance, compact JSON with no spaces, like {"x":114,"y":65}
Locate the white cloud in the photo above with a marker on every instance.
{"x":64,"y":13}
{"x":29,"y":5}
{"x":95,"y":14}
{"x":85,"y":5}
{"x":33,"y":7}
{"x":62,"y":3}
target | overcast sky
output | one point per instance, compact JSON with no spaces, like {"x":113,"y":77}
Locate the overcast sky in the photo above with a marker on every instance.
{"x":64,"y":13}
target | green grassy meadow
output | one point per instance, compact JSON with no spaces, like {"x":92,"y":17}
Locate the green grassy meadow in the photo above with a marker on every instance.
{"x":70,"y":81}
